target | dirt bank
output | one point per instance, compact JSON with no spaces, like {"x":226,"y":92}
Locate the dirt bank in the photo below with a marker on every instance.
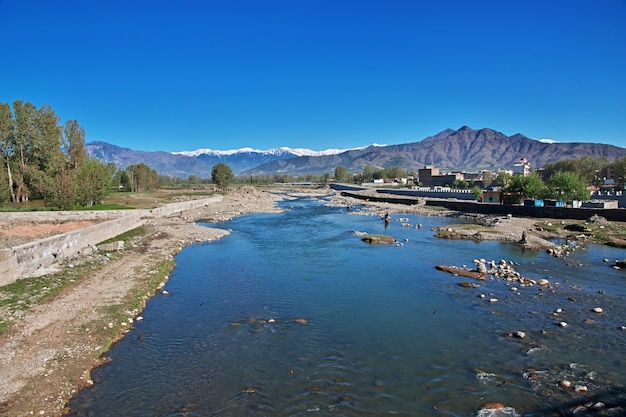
{"x":47,"y":354}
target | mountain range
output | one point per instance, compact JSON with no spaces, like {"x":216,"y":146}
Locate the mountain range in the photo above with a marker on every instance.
{"x":463,"y":149}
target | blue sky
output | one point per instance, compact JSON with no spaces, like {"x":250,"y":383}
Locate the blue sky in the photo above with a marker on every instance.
{"x":181,"y":75}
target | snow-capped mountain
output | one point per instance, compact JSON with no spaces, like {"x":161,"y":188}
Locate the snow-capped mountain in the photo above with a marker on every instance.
{"x":275,"y":151}
{"x":201,"y":161}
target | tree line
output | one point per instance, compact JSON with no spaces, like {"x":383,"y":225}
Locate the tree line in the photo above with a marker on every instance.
{"x":43,"y":158}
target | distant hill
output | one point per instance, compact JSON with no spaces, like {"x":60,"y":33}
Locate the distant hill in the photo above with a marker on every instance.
{"x":199,"y":162}
{"x":462,"y":149}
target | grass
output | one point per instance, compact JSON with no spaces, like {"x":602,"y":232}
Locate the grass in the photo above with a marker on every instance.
{"x":129,"y":236}
{"x":19,"y":296}
{"x":611,"y":233}
{"x":119,"y":200}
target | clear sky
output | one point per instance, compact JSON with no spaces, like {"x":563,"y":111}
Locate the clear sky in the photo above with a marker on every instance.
{"x":182,"y":75}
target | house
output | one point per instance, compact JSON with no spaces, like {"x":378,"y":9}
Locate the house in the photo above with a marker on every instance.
{"x":431,"y":176}
{"x":491,"y":195}
{"x":522,"y":167}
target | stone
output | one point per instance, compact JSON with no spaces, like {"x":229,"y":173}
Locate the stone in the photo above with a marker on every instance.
{"x":565,"y":383}
{"x":519,"y":334}
{"x":563,"y":324}
{"x":543,"y":281}
{"x":113,"y":246}
{"x":597,"y":310}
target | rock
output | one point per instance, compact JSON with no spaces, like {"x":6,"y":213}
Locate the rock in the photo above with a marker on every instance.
{"x":563,"y":324}
{"x":492,"y":406}
{"x":378,"y":239}
{"x":481,"y":267}
{"x":464,"y":272}
{"x":113,"y":246}
{"x":597,"y":310}
{"x":543,"y":282}
{"x":493,"y":300}
{"x":519,"y":334}
{"x":565,"y":383}
{"x":580,"y":388}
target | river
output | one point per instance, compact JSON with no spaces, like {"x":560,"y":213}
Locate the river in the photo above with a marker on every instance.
{"x":293,"y":315}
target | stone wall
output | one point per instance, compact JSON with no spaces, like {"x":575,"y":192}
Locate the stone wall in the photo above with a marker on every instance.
{"x":27,"y":259}
{"x":177,"y":208}
{"x":531,"y":211}
{"x":504,"y":209}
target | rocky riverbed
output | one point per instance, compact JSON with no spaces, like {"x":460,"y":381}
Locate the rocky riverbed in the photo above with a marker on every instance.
{"x":49,"y":349}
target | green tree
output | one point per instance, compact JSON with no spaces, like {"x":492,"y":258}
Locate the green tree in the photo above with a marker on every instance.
{"x":619,"y":172}
{"x":460,"y":184}
{"x":7,"y":133}
{"x":534,"y":186}
{"x":503,"y":179}
{"x":567,"y":186}
{"x":368,"y":174}
{"x":590,"y":169}
{"x":74,"y":143}
{"x":124,"y":181}
{"x":92,"y":181}
{"x":341,"y":173}
{"x":477,"y":192}
{"x":142,"y":177}
{"x":222,"y":175}
{"x":395,"y":172}
{"x":62,"y":192}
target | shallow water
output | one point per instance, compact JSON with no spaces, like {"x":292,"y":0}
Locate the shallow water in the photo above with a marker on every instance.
{"x":292,"y":314}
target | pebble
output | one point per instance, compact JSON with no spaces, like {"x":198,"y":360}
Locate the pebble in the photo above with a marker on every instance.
{"x":565,"y":383}
{"x":519,"y":334}
{"x":597,"y":310}
{"x":165,"y":292}
{"x":563,"y":324}
{"x":580,"y":388}
{"x":493,"y":300}
{"x":513,"y":289}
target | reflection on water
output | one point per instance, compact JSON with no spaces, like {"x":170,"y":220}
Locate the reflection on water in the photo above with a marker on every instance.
{"x":292,"y":314}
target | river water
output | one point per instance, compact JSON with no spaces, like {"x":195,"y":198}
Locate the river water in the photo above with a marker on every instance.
{"x":293,"y":315}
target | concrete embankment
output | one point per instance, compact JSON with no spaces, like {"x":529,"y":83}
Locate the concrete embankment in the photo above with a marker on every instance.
{"x":500,"y":209}
{"x":25,"y":260}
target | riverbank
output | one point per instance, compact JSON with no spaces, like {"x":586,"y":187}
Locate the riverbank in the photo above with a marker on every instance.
{"x":47,"y":354}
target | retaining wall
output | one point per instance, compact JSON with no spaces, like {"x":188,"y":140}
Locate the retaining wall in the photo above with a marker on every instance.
{"x":25,"y":260}
{"x":618,"y":215}
{"x":504,"y":209}
{"x":177,"y":208}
